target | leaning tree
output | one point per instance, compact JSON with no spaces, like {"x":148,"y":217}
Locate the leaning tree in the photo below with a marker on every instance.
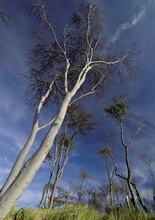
{"x":63,"y":70}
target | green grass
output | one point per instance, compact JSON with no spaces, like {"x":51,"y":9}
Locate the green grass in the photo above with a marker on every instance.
{"x":72,"y":212}
{"x":67,"y":213}
{"x":125,"y":214}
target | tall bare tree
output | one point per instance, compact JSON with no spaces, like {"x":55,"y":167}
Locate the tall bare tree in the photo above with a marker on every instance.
{"x":64,"y":69}
{"x":119,"y":112}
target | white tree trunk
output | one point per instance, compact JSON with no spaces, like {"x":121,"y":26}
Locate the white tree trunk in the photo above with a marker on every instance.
{"x":28,"y":171}
{"x":22,"y":156}
{"x":18,"y":164}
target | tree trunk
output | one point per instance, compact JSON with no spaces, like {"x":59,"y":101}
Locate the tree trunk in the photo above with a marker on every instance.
{"x":43,"y":195}
{"x":133,"y":199}
{"x":35,"y":128}
{"x":31,"y":167}
{"x":140,"y":199}
{"x":18,"y":164}
{"x":111,"y":194}
{"x":53,"y":193}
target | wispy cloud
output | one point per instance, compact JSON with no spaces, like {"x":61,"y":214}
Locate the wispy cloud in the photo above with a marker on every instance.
{"x":136,"y":18}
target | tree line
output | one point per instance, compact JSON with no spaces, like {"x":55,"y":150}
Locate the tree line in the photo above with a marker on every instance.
{"x":120,"y":190}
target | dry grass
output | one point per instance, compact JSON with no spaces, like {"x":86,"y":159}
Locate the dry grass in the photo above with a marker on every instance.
{"x":66,"y":213}
{"x":72,"y":212}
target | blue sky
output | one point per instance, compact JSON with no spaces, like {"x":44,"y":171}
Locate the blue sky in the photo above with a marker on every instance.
{"x":126,"y":22}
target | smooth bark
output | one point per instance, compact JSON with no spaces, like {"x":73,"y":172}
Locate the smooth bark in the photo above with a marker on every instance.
{"x":33,"y":164}
{"x":22,"y":156}
{"x":13,"y":193}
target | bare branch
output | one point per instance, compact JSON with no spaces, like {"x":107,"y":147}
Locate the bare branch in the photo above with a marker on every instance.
{"x":42,"y":100}
{"x":66,"y":75}
{"x":86,"y":94}
{"x":92,"y":91}
{"x":45,"y":18}
{"x":122,"y":134}
{"x":119,"y":175}
{"x":135,"y":134}
{"x":46,"y":125}
{"x":95,"y":63}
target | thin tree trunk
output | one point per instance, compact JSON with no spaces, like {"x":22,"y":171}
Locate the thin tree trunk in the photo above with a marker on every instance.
{"x":133,"y":199}
{"x":43,"y":195}
{"x":59,"y":173}
{"x":35,"y":128}
{"x":140,"y":199}
{"x":128,"y":179}
{"x":53,"y":192}
{"x":50,"y":178}
{"x":110,"y":185}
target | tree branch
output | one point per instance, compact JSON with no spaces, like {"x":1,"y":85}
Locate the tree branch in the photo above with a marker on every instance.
{"x":92,"y":91}
{"x":122,"y":134}
{"x":135,"y":134}
{"x":46,"y":125}
{"x":95,"y":63}
{"x":44,"y":17}
{"x":66,"y":75}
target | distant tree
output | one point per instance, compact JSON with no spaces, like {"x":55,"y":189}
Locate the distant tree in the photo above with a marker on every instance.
{"x":100,"y":200}
{"x":62,"y":146}
{"x":107,"y":154}
{"x":77,"y":122}
{"x":64,"y":196}
{"x":95,"y":199}
{"x":79,"y":189}
{"x":64,"y":69}
{"x":118,"y":111}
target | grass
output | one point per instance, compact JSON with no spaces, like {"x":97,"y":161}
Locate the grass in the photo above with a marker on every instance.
{"x":72,"y":212}
{"x":125,"y":214}
{"x":66,"y":213}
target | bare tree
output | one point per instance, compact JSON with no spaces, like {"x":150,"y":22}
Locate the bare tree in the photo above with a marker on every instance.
{"x":118,"y":111}
{"x":63,"y":70}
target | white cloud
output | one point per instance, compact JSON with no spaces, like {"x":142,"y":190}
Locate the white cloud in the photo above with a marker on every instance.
{"x":124,"y":26}
{"x":136,"y":18}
